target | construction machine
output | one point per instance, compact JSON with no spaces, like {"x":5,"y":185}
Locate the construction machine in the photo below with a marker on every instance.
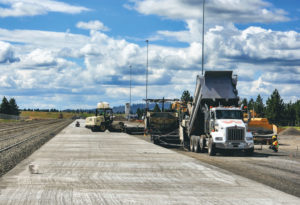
{"x":162,"y":126}
{"x":214,"y":119}
{"x":103,"y":119}
{"x":262,"y":130}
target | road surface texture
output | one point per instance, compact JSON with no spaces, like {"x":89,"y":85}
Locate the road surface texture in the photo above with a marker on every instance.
{"x":279,"y":170}
{"x":81,"y":167}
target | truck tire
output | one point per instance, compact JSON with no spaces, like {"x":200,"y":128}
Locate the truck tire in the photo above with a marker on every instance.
{"x":196,"y":144}
{"x":211,"y":148}
{"x":154,"y":140}
{"x":202,"y":143}
{"x":249,"y":152}
{"x":192,"y":143}
{"x":102,"y":128}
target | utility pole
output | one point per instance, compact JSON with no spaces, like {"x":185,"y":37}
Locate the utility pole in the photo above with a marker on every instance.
{"x":203,"y":38}
{"x":147,"y":41}
{"x":130,"y":93}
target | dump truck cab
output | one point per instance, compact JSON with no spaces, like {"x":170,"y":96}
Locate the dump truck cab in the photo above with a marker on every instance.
{"x":102,"y":120}
{"x":228,"y":130}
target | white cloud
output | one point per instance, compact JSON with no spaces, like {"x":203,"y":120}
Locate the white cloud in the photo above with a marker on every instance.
{"x":45,"y":39}
{"x":238,"y":11}
{"x":40,"y":58}
{"x":64,"y":68}
{"x":18,"y":8}
{"x":7,"y":53}
{"x":7,"y":81}
{"x":253,"y":44}
{"x":92,"y":25}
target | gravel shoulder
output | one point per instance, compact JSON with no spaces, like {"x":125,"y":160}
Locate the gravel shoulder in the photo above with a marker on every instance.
{"x":38,"y":135}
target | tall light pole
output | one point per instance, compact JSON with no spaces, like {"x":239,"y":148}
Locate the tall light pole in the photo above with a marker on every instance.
{"x":203,"y":38}
{"x":147,"y":41}
{"x":130,"y":93}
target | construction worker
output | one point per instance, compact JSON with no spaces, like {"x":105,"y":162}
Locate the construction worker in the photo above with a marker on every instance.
{"x":275,"y":144}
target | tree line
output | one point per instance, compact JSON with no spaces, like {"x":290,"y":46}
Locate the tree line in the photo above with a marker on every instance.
{"x":275,"y":110}
{"x":9,"y":107}
{"x":41,"y":110}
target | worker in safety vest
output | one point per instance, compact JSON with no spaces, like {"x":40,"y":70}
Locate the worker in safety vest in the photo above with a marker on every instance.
{"x":275,"y":144}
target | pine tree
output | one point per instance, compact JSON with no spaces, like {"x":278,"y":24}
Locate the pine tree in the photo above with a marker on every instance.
{"x":5,"y":107}
{"x":139,"y":113}
{"x":289,"y":114}
{"x":186,"y":97}
{"x":14,"y":109}
{"x":275,"y":108}
{"x":245,"y":102}
{"x":297,"y":109}
{"x":251,"y":104}
{"x":156,"y":108}
{"x":259,"y":106}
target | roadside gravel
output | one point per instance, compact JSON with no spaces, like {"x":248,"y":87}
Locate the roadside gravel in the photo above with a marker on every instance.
{"x":10,"y":158}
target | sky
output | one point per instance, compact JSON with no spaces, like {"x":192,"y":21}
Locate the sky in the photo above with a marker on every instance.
{"x":73,"y":54}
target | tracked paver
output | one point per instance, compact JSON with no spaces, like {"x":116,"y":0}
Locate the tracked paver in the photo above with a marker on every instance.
{"x":81,"y":167}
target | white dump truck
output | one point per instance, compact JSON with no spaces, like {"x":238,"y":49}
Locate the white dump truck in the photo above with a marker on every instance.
{"x":214,"y":119}
{"x":102,"y":120}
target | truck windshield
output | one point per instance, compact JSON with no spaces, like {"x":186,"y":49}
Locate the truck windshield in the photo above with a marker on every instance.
{"x":229,"y":114}
{"x":104,"y":112}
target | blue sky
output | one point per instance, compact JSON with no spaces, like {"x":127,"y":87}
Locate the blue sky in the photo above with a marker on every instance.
{"x":73,"y":54}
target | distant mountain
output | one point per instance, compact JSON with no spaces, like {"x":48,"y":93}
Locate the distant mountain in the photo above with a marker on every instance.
{"x":121,"y":108}
{"x":134,"y":107}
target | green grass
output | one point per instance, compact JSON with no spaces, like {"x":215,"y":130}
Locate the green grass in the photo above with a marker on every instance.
{"x":52,"y":115}
{"x":295,"y":127}
{"x":7,"y":121}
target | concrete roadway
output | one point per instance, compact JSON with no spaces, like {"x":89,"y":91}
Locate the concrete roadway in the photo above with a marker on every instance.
{"x":81,"y":167}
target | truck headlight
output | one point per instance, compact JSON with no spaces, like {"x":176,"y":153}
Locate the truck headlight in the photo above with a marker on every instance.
{"x":249,"y":138}
{"x":219,"y":138}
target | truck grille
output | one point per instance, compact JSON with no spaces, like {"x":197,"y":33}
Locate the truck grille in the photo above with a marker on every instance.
{"x":235,"y":134}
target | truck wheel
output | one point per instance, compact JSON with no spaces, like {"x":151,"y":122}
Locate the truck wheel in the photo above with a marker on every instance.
{"x":249,"y":152}
{"x":154,"y":139}
{"x":196,"y":144}
{"x":202,"y":143}
{"x":93,"y":129}
{"x":102,"y":128}
{"x":211,"y":148}
{"x":192,"y":143}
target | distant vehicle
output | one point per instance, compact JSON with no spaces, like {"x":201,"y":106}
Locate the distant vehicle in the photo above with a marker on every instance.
{"x":103,"y":119}
{"x":77,"y":124}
